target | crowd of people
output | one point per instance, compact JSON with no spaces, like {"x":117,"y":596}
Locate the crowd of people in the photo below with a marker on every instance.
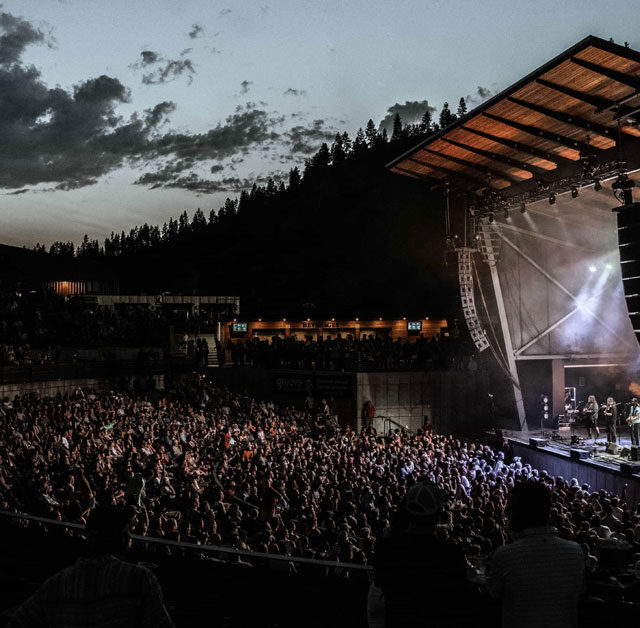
{"x":207,"y":466}
{"x":371,"y":352}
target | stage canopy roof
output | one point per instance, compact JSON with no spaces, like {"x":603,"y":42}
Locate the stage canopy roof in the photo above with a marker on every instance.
{"x":585,"y":103}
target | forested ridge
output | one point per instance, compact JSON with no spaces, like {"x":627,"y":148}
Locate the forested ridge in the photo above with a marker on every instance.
{"x":344,"y":235}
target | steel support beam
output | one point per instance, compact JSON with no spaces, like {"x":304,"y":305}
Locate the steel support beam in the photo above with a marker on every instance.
{"x":562,"y":140}
{"x":508,"y":347}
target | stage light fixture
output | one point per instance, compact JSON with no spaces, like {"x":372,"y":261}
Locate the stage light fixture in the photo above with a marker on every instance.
{"x":523,"y":208}
{"x":592,"y":269}
{"x":574,"y":191}
{"x":609,"y":266}
{"x":490,"y":218}
{"x":552,"y":198}
{"x":597,"y":186}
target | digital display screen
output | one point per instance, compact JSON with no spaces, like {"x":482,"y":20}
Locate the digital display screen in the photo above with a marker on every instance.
{"x":239,"y":328}
{"x":414,"y":325}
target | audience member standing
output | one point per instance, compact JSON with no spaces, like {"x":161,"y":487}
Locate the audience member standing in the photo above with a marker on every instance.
{"x":100,"y":590}
{"x":539,"y":577}
{"x":422,"y":577}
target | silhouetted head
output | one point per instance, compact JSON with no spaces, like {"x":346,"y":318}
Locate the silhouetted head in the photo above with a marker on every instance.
{"x":529,"y":506}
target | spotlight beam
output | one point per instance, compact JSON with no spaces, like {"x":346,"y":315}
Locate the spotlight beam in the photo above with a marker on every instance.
{"x":556,"y":283}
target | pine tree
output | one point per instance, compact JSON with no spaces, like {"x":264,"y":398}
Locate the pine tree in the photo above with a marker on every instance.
{"x":294,"y":179}
{"x":462,"y":108}
{"x":446,"y":117}
{"x":371,"y":134}
{"x":199,"y":222}
{"x":337,"y":150}
{"x":397,"y":128}
{"x":426,"y":124}
{"x":346,"y":144}
{"x":212,"y":217}
{"x":322,"y":158}
{"x":359,"y":144}
{"x":183,"y":223}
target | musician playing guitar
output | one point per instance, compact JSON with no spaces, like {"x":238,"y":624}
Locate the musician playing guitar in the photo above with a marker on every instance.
{"x":590,"y":414}
{"x":634,"y":421}
{"x":610,"y":412}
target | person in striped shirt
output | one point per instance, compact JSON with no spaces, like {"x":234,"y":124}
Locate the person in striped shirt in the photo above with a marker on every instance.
{"x":539,"y":577}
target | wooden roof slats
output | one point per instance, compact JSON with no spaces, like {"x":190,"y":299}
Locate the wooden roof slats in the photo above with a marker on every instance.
{"x":573,"y":105}
{"x":509,"y":161}
{"x":562,"y":140}
{"x":459,"y":174}
{"x":566,"y":118}
{"x":481,"y":168}
{"x":620,"y":77}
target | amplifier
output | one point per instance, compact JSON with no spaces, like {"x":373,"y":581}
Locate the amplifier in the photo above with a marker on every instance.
{"x":538,"y":442}
{"x":634,"y":454}
{"x":629,"y":468}
{"x":625,"y":452}
{"x":578,"y":454}
{"x":614,"y":449}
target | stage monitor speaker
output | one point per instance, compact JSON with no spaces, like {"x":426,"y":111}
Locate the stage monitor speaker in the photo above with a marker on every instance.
{"x":629,"y":248}
{"x":625,"y":451}
{"x":634,"y":454}
{"x":614,"y":449}
{"x":578,"y":454}
{"x":538,"y":442}
{"x":629,"y":468}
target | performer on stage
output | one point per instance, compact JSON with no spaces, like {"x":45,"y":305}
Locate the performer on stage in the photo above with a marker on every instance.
{"x":590,"y":414}
{"x":634,"y":421}
{"x":610,"y":412}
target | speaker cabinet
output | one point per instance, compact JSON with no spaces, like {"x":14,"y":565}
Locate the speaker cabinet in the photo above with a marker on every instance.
{"x":634,"y":453}
{"x":538,"y":442}
{"x":578,"y":454}
{"x":629,"y":468}
{"x":629,"y":247}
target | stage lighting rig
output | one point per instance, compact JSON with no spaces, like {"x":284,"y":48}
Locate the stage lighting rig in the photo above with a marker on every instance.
{"x":491,"y":217}
{"x":574,"y":191}
{"x":552,"y":198}
{"x":622,"y":187}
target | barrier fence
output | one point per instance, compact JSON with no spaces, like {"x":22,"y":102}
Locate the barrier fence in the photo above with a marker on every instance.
{"x":224,"y":553}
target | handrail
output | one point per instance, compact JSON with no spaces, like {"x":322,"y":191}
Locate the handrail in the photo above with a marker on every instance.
{"x":200,"y":548}
{"x":389,"y":420}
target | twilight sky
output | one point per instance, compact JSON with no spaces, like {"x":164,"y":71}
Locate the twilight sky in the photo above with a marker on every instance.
{"x":117,"y":113}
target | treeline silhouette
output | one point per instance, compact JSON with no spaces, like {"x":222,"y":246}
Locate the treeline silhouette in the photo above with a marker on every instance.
{"x":344,"y":236}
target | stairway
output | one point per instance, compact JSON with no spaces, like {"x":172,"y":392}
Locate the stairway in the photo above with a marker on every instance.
{"x":212,"y":361}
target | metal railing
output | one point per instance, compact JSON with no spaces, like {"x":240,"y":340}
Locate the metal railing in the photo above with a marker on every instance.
{"x":221,"y":550}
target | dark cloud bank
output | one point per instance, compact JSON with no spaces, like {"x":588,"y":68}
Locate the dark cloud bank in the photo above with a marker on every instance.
{"x":70,"y":138}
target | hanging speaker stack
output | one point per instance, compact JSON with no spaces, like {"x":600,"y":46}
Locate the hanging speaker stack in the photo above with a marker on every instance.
{"x":629,"y":247}
{"x":465,"y":279}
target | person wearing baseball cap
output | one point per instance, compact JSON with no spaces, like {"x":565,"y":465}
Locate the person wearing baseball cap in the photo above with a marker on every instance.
{"x":421,"y":576}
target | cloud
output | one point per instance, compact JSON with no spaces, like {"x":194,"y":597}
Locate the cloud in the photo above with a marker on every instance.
{"x":411,"y":112}
{"x":294,"y":92}
{"x":196,"y":31}
{"x":481,"y":94}
{"x":306,"y":139}
{"x":224,"y":12}
{"x":244,"y":86}
{"x":186,"y":51}
{"x":172,"y":69}
{"x":16,"y":192}
{"x":17,"y":34}
{"x":67,"y":138}
{"x":149,"y":57}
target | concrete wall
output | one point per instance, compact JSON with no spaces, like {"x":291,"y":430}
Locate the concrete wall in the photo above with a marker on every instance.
{"x":53,"y":387}
{"x":453,"y":401}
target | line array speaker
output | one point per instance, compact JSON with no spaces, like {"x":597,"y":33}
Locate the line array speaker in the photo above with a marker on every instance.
{"x":629,"y":247}
{"x":465,"y":279}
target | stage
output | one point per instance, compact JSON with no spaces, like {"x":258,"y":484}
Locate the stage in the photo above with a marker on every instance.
{"x":598,"y":469}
